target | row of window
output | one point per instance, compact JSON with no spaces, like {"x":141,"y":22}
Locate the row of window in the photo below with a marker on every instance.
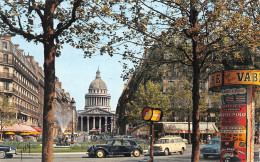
{"x":6,"y":58}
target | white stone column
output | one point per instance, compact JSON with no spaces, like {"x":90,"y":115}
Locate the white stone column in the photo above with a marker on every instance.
{"x":88,"y":123}
{"x":94,"y":122}
{"x":100,"y":123}
{"x":106,"y":124}
{"x":81,"y":124}
{"x":112,"y":124}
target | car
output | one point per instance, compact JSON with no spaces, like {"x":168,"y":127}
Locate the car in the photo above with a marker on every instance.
{"x":7,"y":151}
{"x":169,"y":144}
{"x":185,"y":141}
{"x":29,"y":139}
{"x":212,"y":148}
{"x":117,"y":146}
{"x":18,"y":138}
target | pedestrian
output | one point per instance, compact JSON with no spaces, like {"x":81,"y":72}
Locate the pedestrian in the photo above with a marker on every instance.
{"x":84,"y":140}
{"x":208,"y":139}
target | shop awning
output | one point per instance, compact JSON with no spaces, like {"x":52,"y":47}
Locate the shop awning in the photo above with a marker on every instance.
{"x":37,"y":129}
{"x":18,"y":128}
{"x":182,"y":127}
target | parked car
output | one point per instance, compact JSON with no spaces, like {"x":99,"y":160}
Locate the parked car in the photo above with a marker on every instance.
{"x":19,"y":138}
{"x":7,"y":151}
{"x":124,"y":146}
{"x":29,"y":139}
{"x":211,"y":149}
{"x":169,"y":144}
{"x":185,"y":141}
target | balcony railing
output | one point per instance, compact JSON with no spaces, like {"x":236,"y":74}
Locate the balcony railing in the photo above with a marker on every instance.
{"x":6,"y":61}
{"x":19,"y":68}
{"x":21,"y":108}
{"x":6,"y":90}
{"x":6,"y":75}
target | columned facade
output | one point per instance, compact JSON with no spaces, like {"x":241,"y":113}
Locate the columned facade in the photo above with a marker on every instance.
{"x":97,"y":116}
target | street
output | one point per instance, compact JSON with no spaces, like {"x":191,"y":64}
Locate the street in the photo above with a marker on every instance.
{"x":82,"y":157}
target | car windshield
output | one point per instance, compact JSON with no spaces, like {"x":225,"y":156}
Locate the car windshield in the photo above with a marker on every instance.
{"x":109,"y":142}
{"x":160,"y":141}
{"x":213,"y":142}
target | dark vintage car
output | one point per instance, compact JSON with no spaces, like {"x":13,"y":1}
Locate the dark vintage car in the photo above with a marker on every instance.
{"x":211,"y":149}
{"x":7,"y":151}
{"x":126,"y":147}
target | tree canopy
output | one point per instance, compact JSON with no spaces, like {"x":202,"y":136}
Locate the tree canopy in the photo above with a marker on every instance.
{"x":148,"y":95}
{"x":201,"y":30}
{"x":8,"y":112}
{"x":53,"y":23}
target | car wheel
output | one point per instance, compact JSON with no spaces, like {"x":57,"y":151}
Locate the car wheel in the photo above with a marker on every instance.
{"x":136,"y":153}
{"x":205,"y":156}
{"x":166,"y":152}
{"x":100,"y":153}
{"x":9,"y":156}
{"x":182,"y":151}
{"x":2,"y":154}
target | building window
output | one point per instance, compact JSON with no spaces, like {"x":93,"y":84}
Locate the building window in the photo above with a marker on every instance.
{"x":6,"y":86}
{"x":5,"y":58}
{"x":4,"y":45}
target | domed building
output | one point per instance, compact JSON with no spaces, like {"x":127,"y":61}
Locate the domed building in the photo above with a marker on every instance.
{"x":97,"y":115}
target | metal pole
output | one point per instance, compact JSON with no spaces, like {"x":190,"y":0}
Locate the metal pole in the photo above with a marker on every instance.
{"x":151,"y":142}
{"x":72,"y":135}
{"x":1,"y":127}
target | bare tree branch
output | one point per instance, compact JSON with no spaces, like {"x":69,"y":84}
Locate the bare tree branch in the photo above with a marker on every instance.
{"x":61,"y":27}
{"x":19,"y":31}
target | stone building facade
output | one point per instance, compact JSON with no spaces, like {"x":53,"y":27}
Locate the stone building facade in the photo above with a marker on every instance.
{"x":97,"y":116}
{"x":22,"y":80}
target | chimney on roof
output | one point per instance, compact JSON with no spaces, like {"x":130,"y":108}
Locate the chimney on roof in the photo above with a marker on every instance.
{"x":6,"y":36}
{"x":16,"y":46}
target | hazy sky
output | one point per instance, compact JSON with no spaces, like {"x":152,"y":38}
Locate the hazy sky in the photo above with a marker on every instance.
{"x":76,"y":72}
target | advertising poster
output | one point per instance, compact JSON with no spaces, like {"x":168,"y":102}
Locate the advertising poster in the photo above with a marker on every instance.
{"x":233,"y":144}
{"x":233,"y":124}
{"x":233,"y":115}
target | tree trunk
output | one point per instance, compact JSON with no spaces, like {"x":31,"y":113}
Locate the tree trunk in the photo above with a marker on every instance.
{"x":48,"y":112}
{"x":195,"y":115}
{"x":196,"y":81}
{"x":49,"y":81}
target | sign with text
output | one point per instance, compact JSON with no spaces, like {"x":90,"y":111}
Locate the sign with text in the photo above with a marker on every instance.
{"x":233,"y":143}
{"x":234,"y":77}
{"x":233,"y":115}
{"x":233,"y":123}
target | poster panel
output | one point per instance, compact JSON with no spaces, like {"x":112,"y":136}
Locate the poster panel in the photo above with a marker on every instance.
{"x":233,"y":115}
{"x":233,"y":94}
{"x":233,"y":123}
{"x":242,"y":77}
{"x":233,"y":144}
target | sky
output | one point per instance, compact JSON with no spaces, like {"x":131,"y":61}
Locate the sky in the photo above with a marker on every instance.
{"x":76,"y":72}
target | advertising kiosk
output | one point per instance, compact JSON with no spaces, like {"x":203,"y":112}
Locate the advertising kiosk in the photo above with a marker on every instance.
{"x":237,"y":89}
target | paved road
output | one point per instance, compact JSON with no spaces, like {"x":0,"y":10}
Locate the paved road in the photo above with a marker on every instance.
{"x":82,"y":157}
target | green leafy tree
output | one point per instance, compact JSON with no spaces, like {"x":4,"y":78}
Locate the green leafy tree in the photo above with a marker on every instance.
{"x":148,"y":95}
{"x":81,"y":24}
{"x":7,"y":113}
{"x":200,"y":30}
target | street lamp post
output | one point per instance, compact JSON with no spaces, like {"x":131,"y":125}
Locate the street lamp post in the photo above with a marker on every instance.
{"x":72,"y":108}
